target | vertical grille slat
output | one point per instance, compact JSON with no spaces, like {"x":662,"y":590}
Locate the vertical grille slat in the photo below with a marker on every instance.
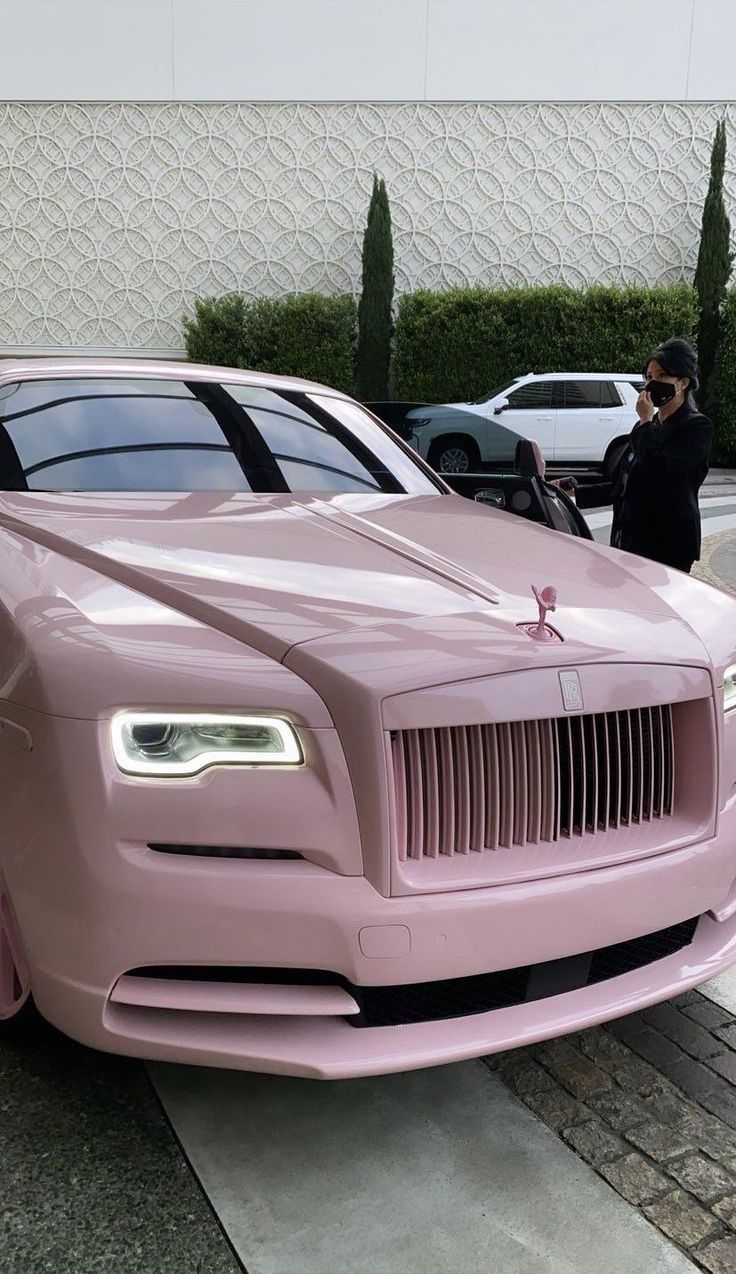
{"x":493,"y":786}
{"x":581,"y":792}
{"x":567,"y":772}
{"x":428,"y":740}
{"x":462,"y":790}
{"x":659,"y":764}
{"x":399,"y":768}
{"x":615,"y":744}
{"x":604,"y":771}
{"x":627,"y":778}
{"x":669,"y":763}
{"x":591,"y":775}
{"x":534,"y":781}
{"x":478,"y":793}
{"x":520,"y":782}
{"x":415,"y":790}
{"x":639,"y":766}
{"x":459,"y":735}
{"x":650,"y":753}
{"x":506,"y":787}
{"x":447,"y":793}
{"x":548,"y":782}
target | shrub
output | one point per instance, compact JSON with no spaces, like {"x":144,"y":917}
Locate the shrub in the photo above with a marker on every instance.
{"x":457,"y":345}
{"x":375,"y":322}
{"x":305,"y":335}
{"x":724,"y":449}
{"x":215,"y":333}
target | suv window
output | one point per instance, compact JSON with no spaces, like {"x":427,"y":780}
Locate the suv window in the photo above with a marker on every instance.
{"x":125,"y":434}
{"x":589,"y":393}
{"x":537,"y":395}
{"x":492,"y":393}
{"x":610,"y":395}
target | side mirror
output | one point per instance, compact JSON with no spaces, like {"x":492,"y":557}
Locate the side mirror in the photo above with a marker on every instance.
{"x":528,"y":460}
{"x":500,"y":407}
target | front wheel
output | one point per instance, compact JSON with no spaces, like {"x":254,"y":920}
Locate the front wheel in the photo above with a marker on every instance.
{"x":15,"y":983}
{"x":454,"y":455}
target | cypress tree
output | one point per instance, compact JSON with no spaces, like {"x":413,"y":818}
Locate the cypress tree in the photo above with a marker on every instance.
{"x":375,"y":324}
{"x":713,"y":271}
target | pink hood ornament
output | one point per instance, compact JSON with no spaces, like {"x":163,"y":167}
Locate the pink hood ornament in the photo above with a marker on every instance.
{"x":547,"y":601}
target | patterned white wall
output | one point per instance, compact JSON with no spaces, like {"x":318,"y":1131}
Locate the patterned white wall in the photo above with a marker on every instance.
{"x":113,"y":217}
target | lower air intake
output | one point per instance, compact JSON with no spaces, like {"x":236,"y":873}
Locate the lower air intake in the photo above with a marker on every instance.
{"x":434,"y":1001}
{"x":462,"y":997}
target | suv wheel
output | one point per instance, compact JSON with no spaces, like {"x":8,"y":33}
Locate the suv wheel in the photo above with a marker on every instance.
{"x":454,"y":455}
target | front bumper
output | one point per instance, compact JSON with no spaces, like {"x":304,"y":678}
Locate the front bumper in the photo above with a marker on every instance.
{"x":224,"y":914}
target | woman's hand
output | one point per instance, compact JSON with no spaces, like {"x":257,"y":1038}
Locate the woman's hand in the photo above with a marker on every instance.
{"x":567,"y":485}
{"x":645,"y":407}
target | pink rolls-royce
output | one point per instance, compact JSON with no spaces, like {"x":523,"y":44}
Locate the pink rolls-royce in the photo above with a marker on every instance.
{"x":308,"y":765}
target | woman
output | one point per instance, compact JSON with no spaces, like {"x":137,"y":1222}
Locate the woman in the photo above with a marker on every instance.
{"x":654,"y":490}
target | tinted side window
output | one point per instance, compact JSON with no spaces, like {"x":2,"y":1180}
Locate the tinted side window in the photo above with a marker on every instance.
{"x":610,"y":396}
{"x":589,"y":393}
{"x":537,"y":395}
{"x":581,"y":393}
{"x":112,"y":435}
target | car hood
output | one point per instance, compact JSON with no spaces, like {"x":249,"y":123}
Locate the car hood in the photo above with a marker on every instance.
{"x":475,"y":409}
{"x":410,"y":590}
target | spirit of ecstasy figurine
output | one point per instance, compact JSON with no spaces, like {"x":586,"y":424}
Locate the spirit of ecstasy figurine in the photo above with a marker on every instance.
{"x":547,"y":601}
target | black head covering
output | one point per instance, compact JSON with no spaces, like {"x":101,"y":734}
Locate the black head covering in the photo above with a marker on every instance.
{"x":677,"y":358}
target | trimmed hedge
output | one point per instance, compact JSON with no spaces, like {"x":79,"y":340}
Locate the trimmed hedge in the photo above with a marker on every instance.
{"x":216,"y":333}
{"x":304,"y":335}
{"x":457,"y":345}
{"x":724,"y":450}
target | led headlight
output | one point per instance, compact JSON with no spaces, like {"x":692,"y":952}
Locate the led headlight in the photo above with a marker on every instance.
{"x":181,"y":744}
{"x":729,"y":689}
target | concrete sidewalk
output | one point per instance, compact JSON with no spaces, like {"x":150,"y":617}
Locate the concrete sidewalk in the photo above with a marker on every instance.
{"x":439,"y":1171}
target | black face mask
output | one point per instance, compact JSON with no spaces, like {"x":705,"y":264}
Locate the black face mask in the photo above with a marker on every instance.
{"x":660,"y":392}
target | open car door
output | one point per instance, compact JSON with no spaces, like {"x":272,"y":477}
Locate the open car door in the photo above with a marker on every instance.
{"x":524,"y":491}
{"x":512,"y":475}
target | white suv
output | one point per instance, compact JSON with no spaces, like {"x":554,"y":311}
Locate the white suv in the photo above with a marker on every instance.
{"x":573,"y":416}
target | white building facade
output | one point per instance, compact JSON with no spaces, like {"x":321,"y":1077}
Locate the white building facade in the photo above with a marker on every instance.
{"x":152,"y":151}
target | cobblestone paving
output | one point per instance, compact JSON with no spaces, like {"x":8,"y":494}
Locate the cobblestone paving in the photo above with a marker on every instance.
{"x":649,"y":1102}
{"x":717,"y":563}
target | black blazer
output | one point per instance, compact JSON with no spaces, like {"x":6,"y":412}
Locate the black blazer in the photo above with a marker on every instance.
{"x":657,"y":514}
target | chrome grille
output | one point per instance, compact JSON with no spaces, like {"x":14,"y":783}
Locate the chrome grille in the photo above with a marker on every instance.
{"x":467,"y":789}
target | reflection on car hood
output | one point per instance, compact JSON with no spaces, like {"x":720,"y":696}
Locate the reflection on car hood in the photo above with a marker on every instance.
{"x":437,"y":583}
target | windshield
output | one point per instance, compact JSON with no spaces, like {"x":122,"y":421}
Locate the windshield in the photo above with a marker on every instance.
{"x":127,"y":434}
{"x":493,"y":393}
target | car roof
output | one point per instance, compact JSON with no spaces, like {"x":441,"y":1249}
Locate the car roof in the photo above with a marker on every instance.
{"x":77,"y":366}
{"x":582,"y":376}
